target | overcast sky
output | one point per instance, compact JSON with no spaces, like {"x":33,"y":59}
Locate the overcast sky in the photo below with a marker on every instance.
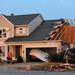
{"x":50,"y":9}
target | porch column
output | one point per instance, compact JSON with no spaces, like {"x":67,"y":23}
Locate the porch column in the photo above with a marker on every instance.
{"x":11,"y":49}
{"x":6,"y":51}
{"x":24,"y":53}
{"x":59,"y":48}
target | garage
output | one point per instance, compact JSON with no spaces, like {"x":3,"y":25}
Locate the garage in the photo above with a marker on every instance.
{"x":41,"y":54}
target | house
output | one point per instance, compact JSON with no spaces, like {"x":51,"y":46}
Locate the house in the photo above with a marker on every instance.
{"x":19,"y":34}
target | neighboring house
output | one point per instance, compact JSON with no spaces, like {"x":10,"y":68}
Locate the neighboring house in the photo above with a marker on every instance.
{"x":21,"y":33}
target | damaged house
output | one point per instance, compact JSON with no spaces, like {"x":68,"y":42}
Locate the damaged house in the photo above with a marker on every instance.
{"x":33,"y":38}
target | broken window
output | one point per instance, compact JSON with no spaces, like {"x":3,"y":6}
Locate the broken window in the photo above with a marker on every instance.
{"x":2,"y":33}
{"x":3,"y":30}
{"x":2,"y":51}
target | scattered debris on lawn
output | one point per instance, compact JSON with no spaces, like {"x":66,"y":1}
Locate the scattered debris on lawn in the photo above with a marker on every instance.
{"x":48,"y":66}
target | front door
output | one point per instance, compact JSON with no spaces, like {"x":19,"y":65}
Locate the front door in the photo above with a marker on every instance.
{"x":17,"y":51}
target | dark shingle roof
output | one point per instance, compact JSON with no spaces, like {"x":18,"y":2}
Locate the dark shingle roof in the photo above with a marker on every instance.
{"x":40,"y":33}
{"x":21,"y":19}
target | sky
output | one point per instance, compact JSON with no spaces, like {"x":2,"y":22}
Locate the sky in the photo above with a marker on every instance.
{"x":50,"y":9}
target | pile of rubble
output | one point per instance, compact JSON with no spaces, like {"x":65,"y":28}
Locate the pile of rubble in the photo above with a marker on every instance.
{"x":49,"y":66}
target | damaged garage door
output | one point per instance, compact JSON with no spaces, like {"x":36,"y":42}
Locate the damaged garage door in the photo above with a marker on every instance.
{"x":39,"y":54}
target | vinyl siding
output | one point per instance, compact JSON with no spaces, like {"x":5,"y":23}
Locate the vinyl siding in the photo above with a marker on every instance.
{"x":23,"y":32}
{"x":35,"y":23}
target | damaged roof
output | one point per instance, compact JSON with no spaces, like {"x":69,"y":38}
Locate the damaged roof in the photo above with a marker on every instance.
{"x":68,"y":34}
{"x":21,"y":19}
{"x":40,"y":33}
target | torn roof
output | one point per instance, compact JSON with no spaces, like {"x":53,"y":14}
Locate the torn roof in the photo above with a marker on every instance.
{"x":68,"y":34}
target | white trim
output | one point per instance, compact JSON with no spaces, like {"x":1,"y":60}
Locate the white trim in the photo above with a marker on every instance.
{"x":21,"y":25}
{"x":44,"y":41}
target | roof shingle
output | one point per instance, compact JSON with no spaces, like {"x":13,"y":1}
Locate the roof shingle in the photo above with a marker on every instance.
{"x":21,"y":19}
{"x":40,"y":33}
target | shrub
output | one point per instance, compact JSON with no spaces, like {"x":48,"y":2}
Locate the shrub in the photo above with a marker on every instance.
{"x":19,"y":59}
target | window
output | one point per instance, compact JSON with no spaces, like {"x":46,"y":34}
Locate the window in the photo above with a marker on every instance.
{"x":2,"y":51}
{"x":3,"y":30}
{"x":2,"y":33}
{"x":20,"y":28}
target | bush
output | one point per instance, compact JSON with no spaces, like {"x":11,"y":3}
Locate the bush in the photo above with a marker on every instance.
{"x":19,"y":59}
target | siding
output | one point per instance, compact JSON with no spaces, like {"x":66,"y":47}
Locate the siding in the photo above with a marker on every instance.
{"x":5,"y":24}
{"x":23,"y":32}
{"x":35,"y":23}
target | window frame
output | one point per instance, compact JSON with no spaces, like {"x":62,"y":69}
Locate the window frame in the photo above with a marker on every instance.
{"x":2,"y":49}
{"x":3,"y":33}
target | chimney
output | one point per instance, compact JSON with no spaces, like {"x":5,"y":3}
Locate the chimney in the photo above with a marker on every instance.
{"x":12,"y":14}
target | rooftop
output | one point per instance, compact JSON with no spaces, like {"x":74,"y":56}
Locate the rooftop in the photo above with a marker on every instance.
{"x":21,"y":19}
{"x":40,"y":33}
